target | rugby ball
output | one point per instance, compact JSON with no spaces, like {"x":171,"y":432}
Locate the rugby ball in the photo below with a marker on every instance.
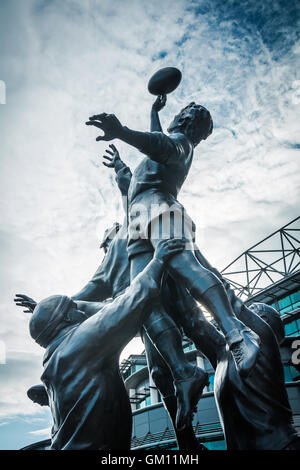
{"x":164,"y":81}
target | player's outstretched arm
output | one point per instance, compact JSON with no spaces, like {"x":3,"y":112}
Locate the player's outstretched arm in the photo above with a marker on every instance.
{"x":94,"y":291}
{"x":118,"y":321}
{"x":123,"y":172}
{"x":156,"y":145}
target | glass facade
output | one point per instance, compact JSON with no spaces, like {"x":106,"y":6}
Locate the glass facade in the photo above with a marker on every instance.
{"x":292,"y":328}
{"x":215,"y":445}
{"x":189,"y":347}
{"x":290,"y":373}
{"x":287,"y":303}
{"x":132,"y":369}
{"x":211,"y":379}
{"x":143,"y":403}
{"x":136,"y":367}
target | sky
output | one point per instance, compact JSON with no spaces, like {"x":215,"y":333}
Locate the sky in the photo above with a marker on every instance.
{"x":62,"y":61}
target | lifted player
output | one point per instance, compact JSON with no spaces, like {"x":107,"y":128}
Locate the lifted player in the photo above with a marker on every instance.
{"x":152,"y":199}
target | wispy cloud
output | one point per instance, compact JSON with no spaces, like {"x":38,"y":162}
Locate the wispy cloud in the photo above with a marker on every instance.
{"x":41,"y":432}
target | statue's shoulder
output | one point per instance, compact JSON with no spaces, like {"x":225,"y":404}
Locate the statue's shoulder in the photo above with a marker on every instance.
{"x":182,"y":142}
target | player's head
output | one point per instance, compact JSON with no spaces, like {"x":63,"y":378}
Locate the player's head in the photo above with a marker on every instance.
{"x":270,"y":316}
{"x":51,"y":316}
{"x":194,"y":121}
{"x":108,"y":236}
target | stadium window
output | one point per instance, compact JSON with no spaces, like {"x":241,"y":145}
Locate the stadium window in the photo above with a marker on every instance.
{"x":288,"y":303}
{"x":189,"y":347}
{"x":295,"y":296}
{"x":290,"y":373}
{"x":296,"y":305}
{"x":286,"y":310}
{"x":215,"y":445}
{"x":140,"y":405}
{"x":284,"y":302}
{"x":211,"y":379}
{"x":287,"y":374}
{"x":292,"y":328}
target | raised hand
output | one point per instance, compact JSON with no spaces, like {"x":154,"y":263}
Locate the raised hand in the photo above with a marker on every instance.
{"x":159,"y":103}
{"x":23,"y":300}
{"x":168,"y":248}
{"x":114,"y":161}
{"x":108,"y":123}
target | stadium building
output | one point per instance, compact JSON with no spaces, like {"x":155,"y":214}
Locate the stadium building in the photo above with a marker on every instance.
{"x":267,"y":272}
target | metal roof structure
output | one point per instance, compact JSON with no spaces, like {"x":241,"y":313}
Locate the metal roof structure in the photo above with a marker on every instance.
{"x":133,"y":359}
{"x":274,"y":261}
{"x":277,"y":290}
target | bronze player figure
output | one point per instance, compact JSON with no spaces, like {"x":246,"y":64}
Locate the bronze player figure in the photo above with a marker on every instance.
{"x":156,"y":183}
{"x":83,"y":341}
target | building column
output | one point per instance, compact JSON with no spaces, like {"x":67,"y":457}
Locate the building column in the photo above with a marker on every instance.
{"x":131,"y":393}
{"x":153,"y":392}
{"x":200,"y":362}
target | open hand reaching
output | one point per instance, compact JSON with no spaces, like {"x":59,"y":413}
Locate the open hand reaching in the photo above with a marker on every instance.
{"x":23,"y":300}
{"x":108,"y":123}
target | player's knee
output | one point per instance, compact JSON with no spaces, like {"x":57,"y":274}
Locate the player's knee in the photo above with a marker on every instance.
{"x":202,"y":283}
{"x":192,"y":322}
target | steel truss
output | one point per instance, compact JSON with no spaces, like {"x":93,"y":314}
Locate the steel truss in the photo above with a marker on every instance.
{"x":267,"y":262}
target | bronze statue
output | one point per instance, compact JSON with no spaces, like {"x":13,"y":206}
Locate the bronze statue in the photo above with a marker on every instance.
{"x":85,"y":334}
